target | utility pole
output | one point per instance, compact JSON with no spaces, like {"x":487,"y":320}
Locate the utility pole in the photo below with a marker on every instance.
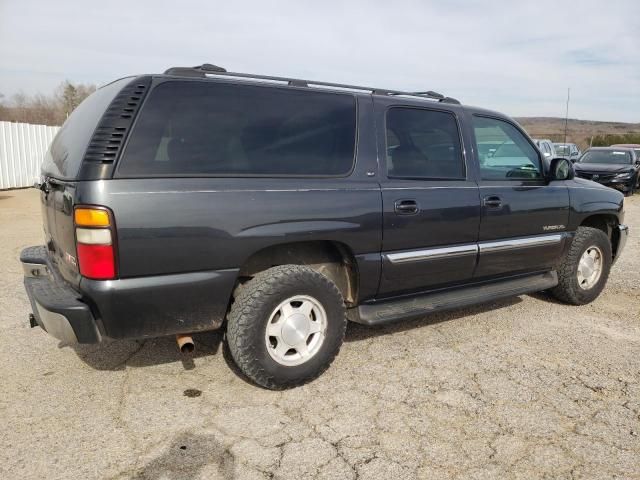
{"x":566,"y":117}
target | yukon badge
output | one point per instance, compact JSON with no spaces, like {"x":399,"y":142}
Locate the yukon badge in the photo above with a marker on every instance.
{"x":548,"y":228}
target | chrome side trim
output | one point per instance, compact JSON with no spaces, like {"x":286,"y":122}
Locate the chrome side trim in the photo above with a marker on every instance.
{"x":516,"y":243}
{"x":35,"y":269}
{"x":472,"y":249}
{"x":432,"y":253}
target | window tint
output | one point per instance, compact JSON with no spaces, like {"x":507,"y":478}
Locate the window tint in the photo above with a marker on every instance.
{"x":423,"y":144}
{"x":206,"y":128}
{"x":504,"y":152}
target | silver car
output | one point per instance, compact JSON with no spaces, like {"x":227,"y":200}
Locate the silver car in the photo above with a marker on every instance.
{"x":570,"y":151}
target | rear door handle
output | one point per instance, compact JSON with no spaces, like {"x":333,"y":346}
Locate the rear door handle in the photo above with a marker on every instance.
{"x":406,"y":207}
{"x":492,"y":201}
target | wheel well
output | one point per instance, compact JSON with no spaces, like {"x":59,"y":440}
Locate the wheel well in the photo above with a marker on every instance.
{"x":335,"y":260}
{"x":607,"y":224}
{"x":603,"y":222}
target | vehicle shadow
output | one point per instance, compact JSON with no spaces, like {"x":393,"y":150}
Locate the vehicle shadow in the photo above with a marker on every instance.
{"x":185,"y":457}
{"x":118,"y":354}
{"x":545,"y":296}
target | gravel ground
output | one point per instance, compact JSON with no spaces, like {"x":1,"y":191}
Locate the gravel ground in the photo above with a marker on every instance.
{"x":522,"y":388}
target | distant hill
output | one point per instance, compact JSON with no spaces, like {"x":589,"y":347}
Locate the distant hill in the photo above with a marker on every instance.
{"x":579,"y":132}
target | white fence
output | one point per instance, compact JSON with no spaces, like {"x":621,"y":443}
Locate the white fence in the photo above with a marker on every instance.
{"x":22,"y":149}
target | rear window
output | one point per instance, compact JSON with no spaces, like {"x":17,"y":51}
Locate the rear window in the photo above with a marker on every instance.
{"x":206,"y":128}
{"x":65,"y":154}
{"x":607,"y":156}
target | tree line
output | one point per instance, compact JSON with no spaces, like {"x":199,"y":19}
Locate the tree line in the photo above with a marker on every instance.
{"x":41,"y":109}
{"x":613,"y":139}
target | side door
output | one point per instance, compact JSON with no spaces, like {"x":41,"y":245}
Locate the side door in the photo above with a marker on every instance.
{"x":431,"y":208}
{"x":523,"y":217}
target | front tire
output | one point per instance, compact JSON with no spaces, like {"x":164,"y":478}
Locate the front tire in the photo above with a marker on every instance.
{"x":583,"y":272}
{"x":286,"y":326}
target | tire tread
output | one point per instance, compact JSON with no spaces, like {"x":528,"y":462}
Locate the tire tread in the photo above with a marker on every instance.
{"x":567,"y":288}
{"x":246,"y":308}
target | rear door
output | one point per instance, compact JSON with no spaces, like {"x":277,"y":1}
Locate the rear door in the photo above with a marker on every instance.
{"x":523,"y":216}
{"x":61,"y":170}
{"x":431,"y":208}
{"x":57,"y":212}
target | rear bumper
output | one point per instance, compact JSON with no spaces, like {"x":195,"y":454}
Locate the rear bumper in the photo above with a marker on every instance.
{"x":56,"y":306}
{"x":622,"y":235}
{"x":140,"y":307}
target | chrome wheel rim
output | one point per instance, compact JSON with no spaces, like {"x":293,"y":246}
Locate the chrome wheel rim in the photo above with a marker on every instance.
{"x":590,"y":267}
{"x":296,"y":330}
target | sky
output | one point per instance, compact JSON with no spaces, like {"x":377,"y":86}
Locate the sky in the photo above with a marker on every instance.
{"x":513,"y":56}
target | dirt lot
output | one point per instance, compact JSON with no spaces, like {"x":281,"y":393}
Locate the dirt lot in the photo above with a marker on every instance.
{"x":524,"y":388}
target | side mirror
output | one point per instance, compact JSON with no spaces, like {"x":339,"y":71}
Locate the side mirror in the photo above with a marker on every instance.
{"x":561,"y":169}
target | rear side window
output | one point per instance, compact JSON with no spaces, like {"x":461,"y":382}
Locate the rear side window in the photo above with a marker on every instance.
{"x":504,"y":152}
{"x":67,"y":150}
{"x":206,"y":128}
{"x":423,"y":144}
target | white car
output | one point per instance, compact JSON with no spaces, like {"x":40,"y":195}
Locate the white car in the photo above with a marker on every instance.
{"x":546,"y":147}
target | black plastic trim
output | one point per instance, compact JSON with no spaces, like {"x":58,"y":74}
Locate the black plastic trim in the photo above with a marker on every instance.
{"x":109,"y":137}
{"x":409,"y":307}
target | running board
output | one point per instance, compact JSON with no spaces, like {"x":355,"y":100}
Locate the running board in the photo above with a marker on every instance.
{"x":393,"y":310}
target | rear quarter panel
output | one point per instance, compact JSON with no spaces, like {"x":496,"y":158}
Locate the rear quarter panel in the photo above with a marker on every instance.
{"x":167,"y":226}
{"x":191,"y":224}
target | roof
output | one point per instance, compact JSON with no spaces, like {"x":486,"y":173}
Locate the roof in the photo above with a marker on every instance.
{"x":612,"y":147}
{"x":208,"y":70}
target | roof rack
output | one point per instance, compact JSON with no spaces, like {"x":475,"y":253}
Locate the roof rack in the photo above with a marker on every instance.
{"x":208,"y":69}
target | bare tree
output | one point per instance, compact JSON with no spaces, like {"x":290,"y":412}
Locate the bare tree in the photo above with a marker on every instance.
{"x":45,"y":109}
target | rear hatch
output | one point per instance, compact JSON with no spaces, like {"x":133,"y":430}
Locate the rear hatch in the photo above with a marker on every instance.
{"x":83,"y":151}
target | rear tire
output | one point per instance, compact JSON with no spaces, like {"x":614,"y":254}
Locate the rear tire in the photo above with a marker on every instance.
{"x":286,"y":326}
{"x":583,"y":272}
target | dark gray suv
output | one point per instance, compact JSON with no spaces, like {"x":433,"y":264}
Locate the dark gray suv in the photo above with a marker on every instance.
{"x":279,"y":208}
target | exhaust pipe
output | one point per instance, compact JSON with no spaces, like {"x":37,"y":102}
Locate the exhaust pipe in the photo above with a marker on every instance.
{"x":185,"y":343}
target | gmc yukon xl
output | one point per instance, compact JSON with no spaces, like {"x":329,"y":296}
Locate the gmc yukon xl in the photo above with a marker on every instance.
{"x":279,"y":209}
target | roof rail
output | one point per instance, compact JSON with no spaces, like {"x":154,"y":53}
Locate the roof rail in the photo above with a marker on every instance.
{"x":198,"y":71}
{"x":208,"y":69}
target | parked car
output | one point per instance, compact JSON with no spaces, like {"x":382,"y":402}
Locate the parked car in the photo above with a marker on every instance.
{"x":278,"y":208}
{"x":570,"y":151}
{"x":546,"y":147}
{"x":618,"y":168}
{"x":634,"y":146}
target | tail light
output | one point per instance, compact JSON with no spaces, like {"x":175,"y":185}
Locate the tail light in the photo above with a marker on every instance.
{"x":95,"y":231}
